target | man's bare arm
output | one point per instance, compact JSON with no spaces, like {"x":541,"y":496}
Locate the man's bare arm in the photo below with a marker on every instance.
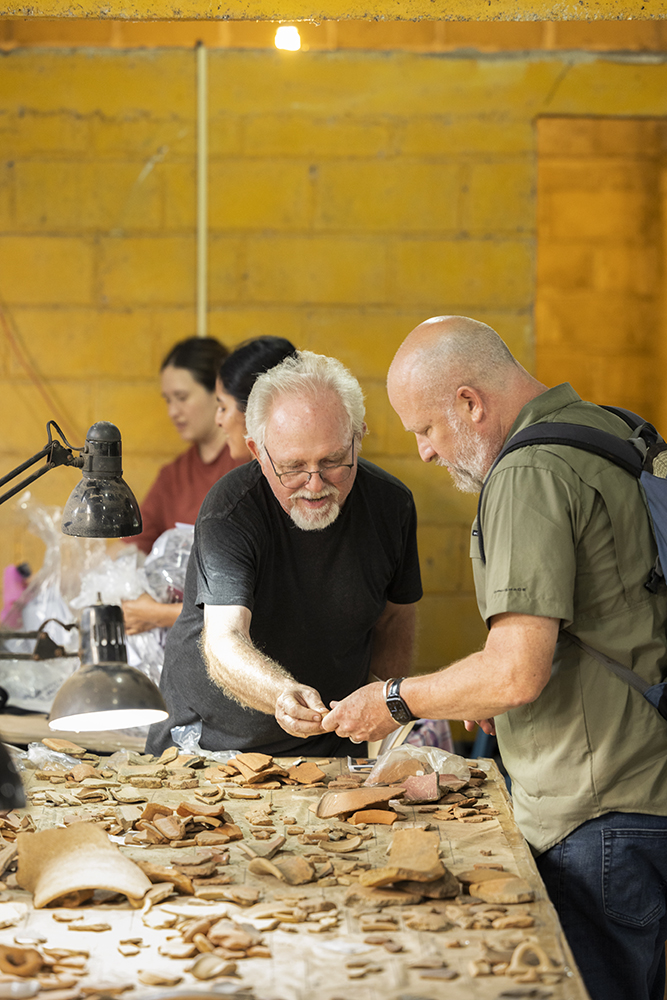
{"x":511,"y":670}
{"x":394,"y":641}
{"x":253,"y":679}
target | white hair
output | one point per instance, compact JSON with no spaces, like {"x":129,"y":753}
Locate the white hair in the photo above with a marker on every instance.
{"x":307,"y":374}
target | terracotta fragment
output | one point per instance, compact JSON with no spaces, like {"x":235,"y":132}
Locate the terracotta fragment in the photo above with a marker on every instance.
{"x":385,"y":817}
{"x":153,"y":809}
{"x":422,"y":788}
{"x":150,"y":978}
{"x":200,"y":809}
{"x":254,"y":761}
{"x":64,"y":746}
{"x":212,"y":837}
{"x":503,"y":890}
{"x":262,"y":866}
{"x":161,"y":873}
{"x":477,"y":875}
{"x":354,"y":799}
{"x":443,"y":888}
{"x":81,"y":771}
{"x":171,"y":827}
{"x":180,"y":784}
{"x":413,"y":857}
{"x":425,"y":921}
{"x":380,"y":897}
{"x":60,"y":860}
{"x":296,"y":870}
{"x":128,"y":795}
{"x":342,"y":846}
{"x":306,"y":773}
{"x":269,"y":848}
{"x":24,"y":962}
{"x":211,"y":967}
{"x":126,"y":772}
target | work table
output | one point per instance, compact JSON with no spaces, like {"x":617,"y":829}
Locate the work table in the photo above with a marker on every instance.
{"x":330,"y":937}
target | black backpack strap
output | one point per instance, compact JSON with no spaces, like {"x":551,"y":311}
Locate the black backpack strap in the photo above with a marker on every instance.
{"x":618,"y":450}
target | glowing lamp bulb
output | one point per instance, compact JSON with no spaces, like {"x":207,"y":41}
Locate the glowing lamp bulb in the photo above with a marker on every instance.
{"x":287,"y":37}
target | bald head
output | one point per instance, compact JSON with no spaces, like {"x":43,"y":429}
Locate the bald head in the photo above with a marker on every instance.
{"x":455,"y":385}
{"x":446,"y":352}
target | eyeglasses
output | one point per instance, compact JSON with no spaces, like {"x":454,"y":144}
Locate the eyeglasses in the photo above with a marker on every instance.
{"x":329,"y":473}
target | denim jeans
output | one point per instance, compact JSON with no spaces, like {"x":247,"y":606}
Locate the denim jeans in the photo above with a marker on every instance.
{"x":608,"y":882}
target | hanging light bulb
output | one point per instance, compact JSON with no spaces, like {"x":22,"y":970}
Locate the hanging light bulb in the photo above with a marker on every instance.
{"x":288,"y":37}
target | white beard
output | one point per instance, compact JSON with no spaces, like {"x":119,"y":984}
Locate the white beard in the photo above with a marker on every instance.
{"x":315,"y":520}
{"x":474,"y":458}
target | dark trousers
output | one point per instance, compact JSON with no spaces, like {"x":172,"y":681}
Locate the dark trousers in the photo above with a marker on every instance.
{"x":608,"y":882}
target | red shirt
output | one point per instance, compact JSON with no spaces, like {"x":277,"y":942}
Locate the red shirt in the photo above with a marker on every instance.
{"x":178,"y":492}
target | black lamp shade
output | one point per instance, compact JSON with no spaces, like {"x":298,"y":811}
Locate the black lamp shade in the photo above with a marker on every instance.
{"x":106,"y":696}
{"x":105,"y":693}
{"x":102,"y":505}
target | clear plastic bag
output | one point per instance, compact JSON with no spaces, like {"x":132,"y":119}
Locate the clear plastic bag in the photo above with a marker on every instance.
{"x":41,"y":757}
{"x":167,"y":562}
{"x":402,"y":761}
{"x":32,"y":684}
{"x":186,"y":738}
{"x":51,"y":588}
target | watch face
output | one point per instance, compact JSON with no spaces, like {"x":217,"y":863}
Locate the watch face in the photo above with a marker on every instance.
{"x":399,"y":710}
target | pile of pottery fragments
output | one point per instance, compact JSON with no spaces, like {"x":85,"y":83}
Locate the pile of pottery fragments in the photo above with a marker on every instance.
{"x":218,"y":891}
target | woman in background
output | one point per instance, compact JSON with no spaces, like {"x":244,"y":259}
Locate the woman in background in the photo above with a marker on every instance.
{"x":235,"y":378}
{"x":188,"y":379}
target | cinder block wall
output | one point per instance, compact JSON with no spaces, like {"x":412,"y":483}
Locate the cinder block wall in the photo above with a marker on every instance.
{"x":353,"y":194}
{"x":601,"y":270}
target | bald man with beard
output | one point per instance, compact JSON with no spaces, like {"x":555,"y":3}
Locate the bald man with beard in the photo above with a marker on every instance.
{"x":568,"y":545}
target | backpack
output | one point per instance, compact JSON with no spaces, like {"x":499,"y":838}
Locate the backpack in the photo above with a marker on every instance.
{"x":644,"y":456}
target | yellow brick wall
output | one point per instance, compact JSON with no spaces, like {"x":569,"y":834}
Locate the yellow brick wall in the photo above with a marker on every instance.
{"x":353,"y":194}
{"x":599,"y":303}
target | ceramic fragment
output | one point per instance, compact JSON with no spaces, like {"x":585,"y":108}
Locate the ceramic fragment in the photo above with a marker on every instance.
{"x":154,"y":978}
{"x":211,"y":966}
{"x":57,"y":861}
{"x":507,"y":890}
{"x":24,"y":962}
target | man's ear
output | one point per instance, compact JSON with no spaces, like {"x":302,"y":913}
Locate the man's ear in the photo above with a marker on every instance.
{"x":470,"y":404}
{"x":253,"y":449}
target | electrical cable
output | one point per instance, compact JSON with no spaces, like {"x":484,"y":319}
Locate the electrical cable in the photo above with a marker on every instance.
{"x":20,"y":350}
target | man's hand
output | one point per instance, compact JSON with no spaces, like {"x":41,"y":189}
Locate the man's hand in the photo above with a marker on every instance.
{"x":300,"y":710}
{"x":487,"y":726}
{"x":362,"y":716}
{"x":146,"y":613}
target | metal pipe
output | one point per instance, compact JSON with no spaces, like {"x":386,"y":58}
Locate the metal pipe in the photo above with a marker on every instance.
{"x":202,"y":188}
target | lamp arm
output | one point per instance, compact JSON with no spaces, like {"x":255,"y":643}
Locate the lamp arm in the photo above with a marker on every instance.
{"x":55,"y":454}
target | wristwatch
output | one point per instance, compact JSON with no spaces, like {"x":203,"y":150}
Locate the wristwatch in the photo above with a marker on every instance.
{"x":397,"y":707}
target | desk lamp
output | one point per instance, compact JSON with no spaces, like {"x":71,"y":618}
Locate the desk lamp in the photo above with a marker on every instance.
{"x":105,"y":693}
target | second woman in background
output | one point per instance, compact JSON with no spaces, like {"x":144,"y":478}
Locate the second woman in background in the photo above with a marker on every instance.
{"x":236,"y":377}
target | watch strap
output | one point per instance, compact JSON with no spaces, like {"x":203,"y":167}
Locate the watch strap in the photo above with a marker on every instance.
{"x":397,"y":706}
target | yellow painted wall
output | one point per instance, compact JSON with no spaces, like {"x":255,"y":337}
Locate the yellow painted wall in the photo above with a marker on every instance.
{"x":600,"y":292}
{"x":353,"y":194}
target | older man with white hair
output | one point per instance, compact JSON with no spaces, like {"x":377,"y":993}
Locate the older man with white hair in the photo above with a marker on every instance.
{"x":303,"y":576}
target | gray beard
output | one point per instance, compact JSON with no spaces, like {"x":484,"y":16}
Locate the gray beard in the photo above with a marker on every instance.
{"x":315,"y":520}
{"x":474,"y":458}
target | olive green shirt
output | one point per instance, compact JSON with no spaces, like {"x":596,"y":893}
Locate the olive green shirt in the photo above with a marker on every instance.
{"x":567,"y":535}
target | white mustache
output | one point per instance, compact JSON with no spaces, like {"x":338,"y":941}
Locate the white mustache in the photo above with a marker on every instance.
{"x":303,"y":494}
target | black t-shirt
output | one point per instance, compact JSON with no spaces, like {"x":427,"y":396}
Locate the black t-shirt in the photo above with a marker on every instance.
{"x":315,"y":597}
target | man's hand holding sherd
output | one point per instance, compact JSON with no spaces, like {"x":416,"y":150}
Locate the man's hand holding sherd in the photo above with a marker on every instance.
{"x":362,"y":716}
{"x":300,"y":711}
